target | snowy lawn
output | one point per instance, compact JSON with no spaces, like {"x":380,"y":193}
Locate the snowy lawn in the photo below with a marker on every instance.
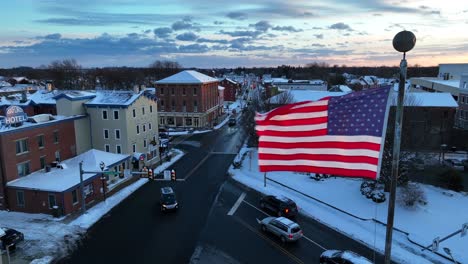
{"x":47,"y":237}
{"x":444,"y":213}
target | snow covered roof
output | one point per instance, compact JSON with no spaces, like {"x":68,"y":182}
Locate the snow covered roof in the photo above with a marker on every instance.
{"x":13,"y":99}
{"x":4,"y":83}
{"x":75,"y":95}
{"x":187,"y":77}
{"x":229,"y":80}
{"x":307,"y":95}
{"x":114,"y":98}
{"x":44,"y":97}
{"x":34,"y":122}
{"x":59,"y":180}
{"x":425,"y":99}
{"x":345,"y":88}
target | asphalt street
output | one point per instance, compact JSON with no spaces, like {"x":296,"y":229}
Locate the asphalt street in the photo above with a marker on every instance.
{"x":201,"y":231}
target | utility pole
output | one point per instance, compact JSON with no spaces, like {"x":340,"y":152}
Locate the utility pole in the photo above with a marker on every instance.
{"x":83,"y":204}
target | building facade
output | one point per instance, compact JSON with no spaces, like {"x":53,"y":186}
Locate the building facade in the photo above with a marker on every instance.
{"x":188,"y":99}
{"x":231,"y":89}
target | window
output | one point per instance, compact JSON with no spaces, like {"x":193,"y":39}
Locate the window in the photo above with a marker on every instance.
{"x":144,"y":128}
{"x":144,"y":143}
{"x":184,"y":106}
{"x":162,"y":90}
{"x":188,"y":121}
{"x":173,"y":105}
{"x":40,"y":141}
{"x":170,"y":121}
{"x":183,"y":91}
{"x":138,"y":129}
{"x":143,"y":110}
{"x":117,"y":134}
{"x":149,"y":126}
{"x":20,"y":198}
{"x":42,"y":162}
{"x":57,"y":155}
{"x":194,"y":90}
{"x":107,"y":147}
{"x":104,"y":114}
{"x":118,"y":149}
{"x":52,"y":201}
{"x":106,"y":133}
{"x":195,"y":106}
{"x":134,"y":148}
{"x":23,"y":169}
{"x":88,"y":190}
{"x":195,"y":122}
{"x":134,"y":112}
{"x":56,"y":137}
{"x":74,"y":196}
{"x":116,"y":114}
{"x":151,"y":109}
{"x":172,"y":91}
{"x":22,"y":146}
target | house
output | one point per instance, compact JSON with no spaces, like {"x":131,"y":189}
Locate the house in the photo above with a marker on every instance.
{"x":231,"y":89}
{"x":188,"y":99}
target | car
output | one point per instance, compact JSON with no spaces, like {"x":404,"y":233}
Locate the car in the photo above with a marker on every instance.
{"x":10,"y":237}
{"x":282,"y":227}
{"x":333,"y":256}
{"x":454,"y":163}
{"x":168,"y":199}
{"x":279,"y":205}
{"x":232,"y":121}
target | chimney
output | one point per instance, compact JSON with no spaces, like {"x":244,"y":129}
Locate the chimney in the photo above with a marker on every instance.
{"x":49,"y":86}
{"x":24,"y":96}
{"x":136,"y":89}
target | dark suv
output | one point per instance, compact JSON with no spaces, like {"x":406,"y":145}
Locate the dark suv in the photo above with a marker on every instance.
{"x":342,"y":257}
{"x":279,"y":205}
{"x":168,"y":199}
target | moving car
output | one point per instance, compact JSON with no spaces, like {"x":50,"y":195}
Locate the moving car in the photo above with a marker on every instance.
{"x":232,"y":121}
{"x":168,"y":199}
{"x":342,"y":257}
{"x":10,"y":236}
{"x":285,"y":229}
{"x":279,"y":205}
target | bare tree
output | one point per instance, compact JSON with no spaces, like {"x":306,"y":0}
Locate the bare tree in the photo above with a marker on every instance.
{"x":161,"y":69}
{"x":67,"y":74}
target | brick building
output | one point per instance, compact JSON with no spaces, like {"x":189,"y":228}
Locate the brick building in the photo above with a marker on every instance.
{"x":231,"y":88}
{"x":188,"y":99}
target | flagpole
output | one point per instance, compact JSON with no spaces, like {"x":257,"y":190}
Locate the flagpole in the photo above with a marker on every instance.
{"x":264,"y":179}
{"x":404,"y":41}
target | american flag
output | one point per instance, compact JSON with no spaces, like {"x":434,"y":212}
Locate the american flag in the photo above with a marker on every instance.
{"x":340,"y":135}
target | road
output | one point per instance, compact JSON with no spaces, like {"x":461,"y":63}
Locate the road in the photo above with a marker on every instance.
{"x":201,"y":231}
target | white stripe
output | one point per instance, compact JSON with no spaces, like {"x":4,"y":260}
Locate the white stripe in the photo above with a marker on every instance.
{"x":320,"y":163}
{"x":367,"y":139}
{"x":236,"y":205}
{"x":292,"y":128}
{"x":315,"y":103}
{"x":296,"y":116}
{"x":324,"y":151}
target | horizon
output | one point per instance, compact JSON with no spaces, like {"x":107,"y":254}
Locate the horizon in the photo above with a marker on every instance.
{"x":206,"y":35}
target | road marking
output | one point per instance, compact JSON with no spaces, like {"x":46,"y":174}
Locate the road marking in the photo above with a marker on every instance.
{"x":236,"y":205}
{"x":308,"y":239}
{"x":196,"y":167}
{"x":267,"y":239}
{"x":224,"y":153}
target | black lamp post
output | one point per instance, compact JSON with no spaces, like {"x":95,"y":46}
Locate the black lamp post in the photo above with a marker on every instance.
{"x":103,"y":179}
{"x":404,"y":41}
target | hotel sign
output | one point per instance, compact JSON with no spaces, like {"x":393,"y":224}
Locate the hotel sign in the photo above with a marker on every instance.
{"x":15,"y":115}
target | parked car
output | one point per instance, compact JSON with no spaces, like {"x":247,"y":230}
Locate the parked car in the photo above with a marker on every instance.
{"x":232,"y":121}
{"x":342,"y":257}
{"x":168,"y":199}
{"x":454,"y":163}
{"x":285,"y":229}
{"x":279,"y":205}
{"x":10,"y":236}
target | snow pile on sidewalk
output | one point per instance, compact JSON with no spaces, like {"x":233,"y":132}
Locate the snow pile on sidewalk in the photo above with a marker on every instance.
{"x":442,"y":215}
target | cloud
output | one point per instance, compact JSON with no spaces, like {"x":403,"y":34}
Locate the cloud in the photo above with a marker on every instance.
{"x":242,"y":33}
{"x":237,"y":15}
{"x":193,"y":48}
{"x":262,"y":26}
{"x":318,"y":45}
{"x":188,"y":36}
{"x":218,"y":22}
{"x":319,"y":36}
{"x":162,"y":32}
{"x":54,"y":36}
{"x":317,"y":28}
{"x":286,"y":28}
{"x":341,"y":26}
{"x":180,"y":25}
{"x":205,"y":40}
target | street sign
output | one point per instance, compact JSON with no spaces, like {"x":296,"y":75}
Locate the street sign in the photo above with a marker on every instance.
{"x":435,"y":244}
{"x":127,"y":172}
{"x":167,"y":175}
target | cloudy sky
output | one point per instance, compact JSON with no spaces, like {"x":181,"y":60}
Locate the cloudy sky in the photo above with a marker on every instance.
{"x":220,"y":33}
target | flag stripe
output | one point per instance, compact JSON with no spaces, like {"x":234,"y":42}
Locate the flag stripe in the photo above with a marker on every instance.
{"x":314,"y":163}
{"x":320,"y":157}
{"x":315,"y":169}
{"x":321,"y":145}
{"x":294,"y":122}
{"x":292,"y":128}
{"x":293,"y":134}
{"x":325,"y":138}
{"x":315,"y":151}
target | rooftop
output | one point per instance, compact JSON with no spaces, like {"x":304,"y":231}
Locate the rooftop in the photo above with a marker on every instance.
{"x":106,"y":97}
{"x":187,"y":77}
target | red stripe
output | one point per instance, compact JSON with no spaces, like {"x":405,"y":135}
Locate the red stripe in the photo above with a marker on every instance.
{"x":320,"y":157}
{"x":293,"y":122}
{"x":313,"y":169}
{"x":331,"y":144}
{"x":320,"y":132}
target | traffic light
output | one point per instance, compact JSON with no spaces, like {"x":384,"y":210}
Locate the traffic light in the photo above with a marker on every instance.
{"x":173,"y":176}
{"x":150,"y":173}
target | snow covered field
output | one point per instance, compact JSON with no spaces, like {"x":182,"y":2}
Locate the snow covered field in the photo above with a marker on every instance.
{"x":444,"y":213}
{"x":47,"y":237}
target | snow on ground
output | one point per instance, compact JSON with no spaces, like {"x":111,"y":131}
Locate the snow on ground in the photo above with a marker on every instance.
{"x":441,"y":216}
{"x":47,"y":235}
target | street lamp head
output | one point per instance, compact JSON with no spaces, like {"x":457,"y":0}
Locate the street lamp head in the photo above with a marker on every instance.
{"x":447,"y":250}
{"x":404,"y":41}
{"x":102,"y":165}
